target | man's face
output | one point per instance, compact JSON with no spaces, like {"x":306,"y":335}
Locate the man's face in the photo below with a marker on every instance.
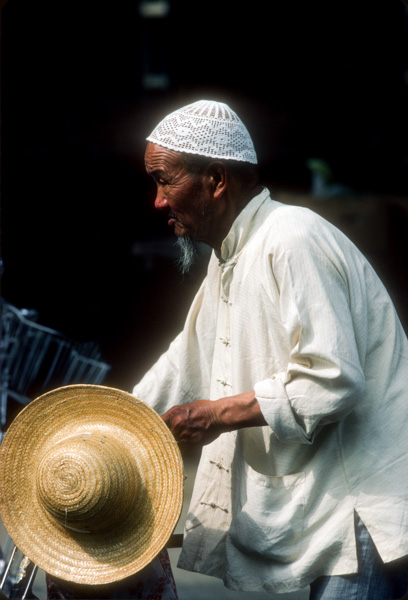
{"x":185,"y":196}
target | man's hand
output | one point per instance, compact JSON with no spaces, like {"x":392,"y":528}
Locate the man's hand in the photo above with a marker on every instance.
{"x":193,"y":423}
{"x":202,"y":421}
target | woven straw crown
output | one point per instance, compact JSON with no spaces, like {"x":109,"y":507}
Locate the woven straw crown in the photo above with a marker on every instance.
{"x":91,"y":483}
{"x":207,"y":128}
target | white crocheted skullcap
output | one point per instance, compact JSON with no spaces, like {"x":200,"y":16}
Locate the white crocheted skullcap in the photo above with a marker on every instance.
{"x":207,"y":128}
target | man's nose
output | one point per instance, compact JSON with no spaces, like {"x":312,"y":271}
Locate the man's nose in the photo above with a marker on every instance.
{"x":160,"y":201}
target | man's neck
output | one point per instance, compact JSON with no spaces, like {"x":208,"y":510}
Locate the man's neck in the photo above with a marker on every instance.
{"x":234,"y":207}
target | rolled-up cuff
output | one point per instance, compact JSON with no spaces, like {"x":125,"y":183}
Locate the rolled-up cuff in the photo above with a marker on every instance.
{"x":277,"y":410}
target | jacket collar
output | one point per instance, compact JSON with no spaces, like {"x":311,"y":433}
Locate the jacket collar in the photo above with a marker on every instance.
{"x":243,"y":228}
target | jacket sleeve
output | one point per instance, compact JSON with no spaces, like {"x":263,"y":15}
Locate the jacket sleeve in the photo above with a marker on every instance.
{"x":324,"y":377}
{"x":159,"y":385}
{"x":182,"y":373}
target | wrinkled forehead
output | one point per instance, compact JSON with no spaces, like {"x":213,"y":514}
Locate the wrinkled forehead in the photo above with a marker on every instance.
{"x":161,"y":159}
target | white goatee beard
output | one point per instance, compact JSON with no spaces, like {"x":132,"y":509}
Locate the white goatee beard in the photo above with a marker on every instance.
{"x":189,"y":250}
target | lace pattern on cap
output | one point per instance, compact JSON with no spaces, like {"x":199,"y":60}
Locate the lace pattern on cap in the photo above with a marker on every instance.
{"x":207,"y":128}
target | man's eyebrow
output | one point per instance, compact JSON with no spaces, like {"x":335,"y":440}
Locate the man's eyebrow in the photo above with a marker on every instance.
{"x":153,"y":171}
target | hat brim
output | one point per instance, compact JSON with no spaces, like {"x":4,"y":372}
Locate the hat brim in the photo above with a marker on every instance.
{"x":102,"y":557}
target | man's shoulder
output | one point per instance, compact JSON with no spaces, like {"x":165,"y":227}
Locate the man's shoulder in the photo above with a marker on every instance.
{"x":286,"y":222}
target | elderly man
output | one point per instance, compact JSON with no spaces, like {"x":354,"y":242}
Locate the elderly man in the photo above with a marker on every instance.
{"x":291,"y":372}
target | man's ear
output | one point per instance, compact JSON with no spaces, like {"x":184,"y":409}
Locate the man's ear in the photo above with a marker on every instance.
{"x":218,"y":177}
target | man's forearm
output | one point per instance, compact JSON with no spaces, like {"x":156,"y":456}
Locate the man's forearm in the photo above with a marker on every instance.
{"x":236,"y":412}
{"x":202,"y":421}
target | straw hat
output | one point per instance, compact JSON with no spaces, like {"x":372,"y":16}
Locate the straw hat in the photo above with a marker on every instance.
{"x":91,"y":483}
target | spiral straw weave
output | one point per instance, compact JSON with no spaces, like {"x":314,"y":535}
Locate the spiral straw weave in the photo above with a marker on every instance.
{"x":91,"y":483}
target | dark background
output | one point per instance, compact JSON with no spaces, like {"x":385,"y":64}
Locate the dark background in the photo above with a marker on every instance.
{"x":83,"y":84}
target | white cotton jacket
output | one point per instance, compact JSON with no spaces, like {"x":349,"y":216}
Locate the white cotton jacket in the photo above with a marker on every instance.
{"x":292,"y":309}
